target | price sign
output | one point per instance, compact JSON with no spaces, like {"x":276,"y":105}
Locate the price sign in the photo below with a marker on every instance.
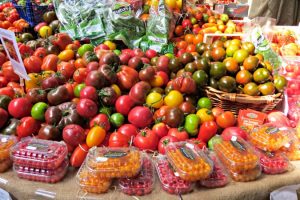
{"x":10,"y":45}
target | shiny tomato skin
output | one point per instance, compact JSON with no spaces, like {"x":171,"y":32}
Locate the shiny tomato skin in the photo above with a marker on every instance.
{"x":117,"y":139}
{"x":28,"y":126}
{"x":128,"y":130}
{"x":33,"y":64}
{"x":73,"y":134}
{"x":140,"y":116}
{"x":164,"y":142}
{"x":207,"y":130}
{"x":124,"y":104}
{"x":100,"y":120}
{"x":160,"y":129}
{"x":80,"y":75}
{"x":95,"y":136}
{"x":226,"y":119}
{"x":3,"y":117}
{"x":180,"y":134}
{"x":146,"y":140}
{"x":78,"y":155}
{"x":87,"y":108}
{"x":19,"y":107}
{"x":89,"y":92}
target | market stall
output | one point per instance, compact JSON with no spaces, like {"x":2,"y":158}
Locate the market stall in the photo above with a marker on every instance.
{"x":159,"y":99}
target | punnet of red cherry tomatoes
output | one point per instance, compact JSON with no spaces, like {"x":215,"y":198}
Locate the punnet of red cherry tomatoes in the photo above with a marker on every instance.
{"x":103,"y":108}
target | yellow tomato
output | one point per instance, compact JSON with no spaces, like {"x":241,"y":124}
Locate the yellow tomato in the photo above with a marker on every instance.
{"x":66,"y":55}
{"x":171,"y":3}
{"x":95,"y":136}
{"x":111,"y":45}
{"x":205,"y":115}
{"x":45,"y":31}
{"x":34,"y":81}
{"x":179,"y":4}
{"x":154,"y":100}
{"x":157,"y":81}
{"x":116,"y":89}
{"x":47,"y":73}
{"x":173,"y":99}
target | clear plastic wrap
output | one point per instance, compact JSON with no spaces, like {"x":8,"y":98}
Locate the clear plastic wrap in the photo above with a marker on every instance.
{"x":273,"y":162}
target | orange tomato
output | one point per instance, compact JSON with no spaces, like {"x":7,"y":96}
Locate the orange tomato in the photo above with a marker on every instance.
{"x":157,"y":81}
{"x":72,"y":47}
{"x":144,"y":17}
{"x":198,"y":39}
{"x":79,"y":63}
{"x":95,"y":136}
{"x":226,"y":119}
{"x":182,"y":45}
{"x":191,"y":48}
{"x":50,"y":62}
{"x":179,"y":30}
{"x":189,"y":38}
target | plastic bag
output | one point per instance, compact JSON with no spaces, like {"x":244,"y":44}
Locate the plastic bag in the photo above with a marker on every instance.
{"x":160,"y":27}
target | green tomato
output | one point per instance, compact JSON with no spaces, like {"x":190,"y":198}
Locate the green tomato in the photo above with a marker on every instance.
{"x":38,"y":111}
{"x":214,"y":140}
{"x":117,"y":119}
{"x":170,"y":55}
{"x":191,"y":124}
{"x":117,"y":52}
{"x":78,"y":88}
{"x":204,"y":102}
{"x":85,"y":48}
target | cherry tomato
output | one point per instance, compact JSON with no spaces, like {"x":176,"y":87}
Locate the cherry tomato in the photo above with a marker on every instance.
{"x":226,"y":119}
{"x":28,"y":126}
{"x":95,"y":136}
{"x":78,"y":156}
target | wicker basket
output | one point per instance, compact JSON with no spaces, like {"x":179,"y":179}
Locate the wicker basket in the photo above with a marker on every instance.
{"x":234,"y":102}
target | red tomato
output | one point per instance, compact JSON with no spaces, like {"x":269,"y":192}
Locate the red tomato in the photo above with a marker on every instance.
{"x":66,"y":68}
{"x":3,"y":81}
{"x":14,"y":85}
{"x":216,"y":111}
{"x":40,"y":52}
{"x":140,"y":116}
{"x":127,"y":77}
{"x":73,"y":134}
{"x":33,"y":64}
{"x":79,"y":155}
{"x":117,"y":139}
{"x":233,"y":131}
{"x":28,"y":126}
{"x":124,"y":104}
{"x":161,"y":113}
{"x":160,"y":129}
{"x":87,"y":108}
{"x":8,"y":72}
{"x":50,"y":62}
{"x":146,"y":140}
{"x":199,"y":143}
{"x":164,"y":76}
{"x":3,"y":117}
{"x":3,"y":58}
{"x":19,"y":107}
{"x":207,"y":130}
{"x":100,"y":120}
{"x":8,"y":91}
{"x":70,"y":87}
{"x":226,"y":119}
{"x":89,"y":92}
{"x":179,"y":133}
{"x":128,"y":130}
{"x":80,"y":75}
{"x":164,"y":142}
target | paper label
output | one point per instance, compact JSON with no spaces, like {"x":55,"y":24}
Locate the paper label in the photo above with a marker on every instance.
{"x":187,"y":153}
{"x":10,"y":45}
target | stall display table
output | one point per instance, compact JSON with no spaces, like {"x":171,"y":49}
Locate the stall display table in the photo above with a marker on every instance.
{"x":68,"y":189}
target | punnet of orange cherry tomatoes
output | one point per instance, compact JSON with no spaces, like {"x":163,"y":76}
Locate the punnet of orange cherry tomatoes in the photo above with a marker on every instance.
{"x":101,"y":108}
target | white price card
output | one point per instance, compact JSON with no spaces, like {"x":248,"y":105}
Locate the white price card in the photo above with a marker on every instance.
{"x":10,"y":45}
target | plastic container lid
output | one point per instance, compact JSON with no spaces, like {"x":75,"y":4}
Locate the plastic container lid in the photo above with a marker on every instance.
{"x":169,"y":179}
{"x":42,"y":175}
{"x":114,"y":162}
{"x":247,"y":175}
{"x":218,"y":177}
{"x":6,"y":142}
{"x":268,"y":137}
{"x":189,"y":161}
{"x":273,"y":162}
{"x":236,"y":154}
{"x":37,"y":153}
{"x":89,"y":181}
{"x":142,"y":184}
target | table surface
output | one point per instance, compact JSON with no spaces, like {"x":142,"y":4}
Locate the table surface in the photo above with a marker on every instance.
{"x":68,"y":189}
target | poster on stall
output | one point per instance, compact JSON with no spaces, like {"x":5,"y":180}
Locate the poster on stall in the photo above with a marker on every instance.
{"x":10,"y":45}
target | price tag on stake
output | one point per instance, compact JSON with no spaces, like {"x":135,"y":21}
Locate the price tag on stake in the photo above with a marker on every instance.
{"x":10,"y":45}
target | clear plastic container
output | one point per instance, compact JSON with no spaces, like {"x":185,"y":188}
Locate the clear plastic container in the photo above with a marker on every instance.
{"x":142,"y":184}
{"x":5,"y":165}
{"x":189,"y":161}
{"x":169,"y":179}
{"x":273,"y":162}
{"x":236,"y":155}
{"x":42,"y":175}
{"x":91,"y":182}
{"x":247,"y":175}
{"x":219,"y":177}
{"x":268,"y":137}
{"x":6,"y":142}
{"x":37,"y":153}
{"x":114,"y":162}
